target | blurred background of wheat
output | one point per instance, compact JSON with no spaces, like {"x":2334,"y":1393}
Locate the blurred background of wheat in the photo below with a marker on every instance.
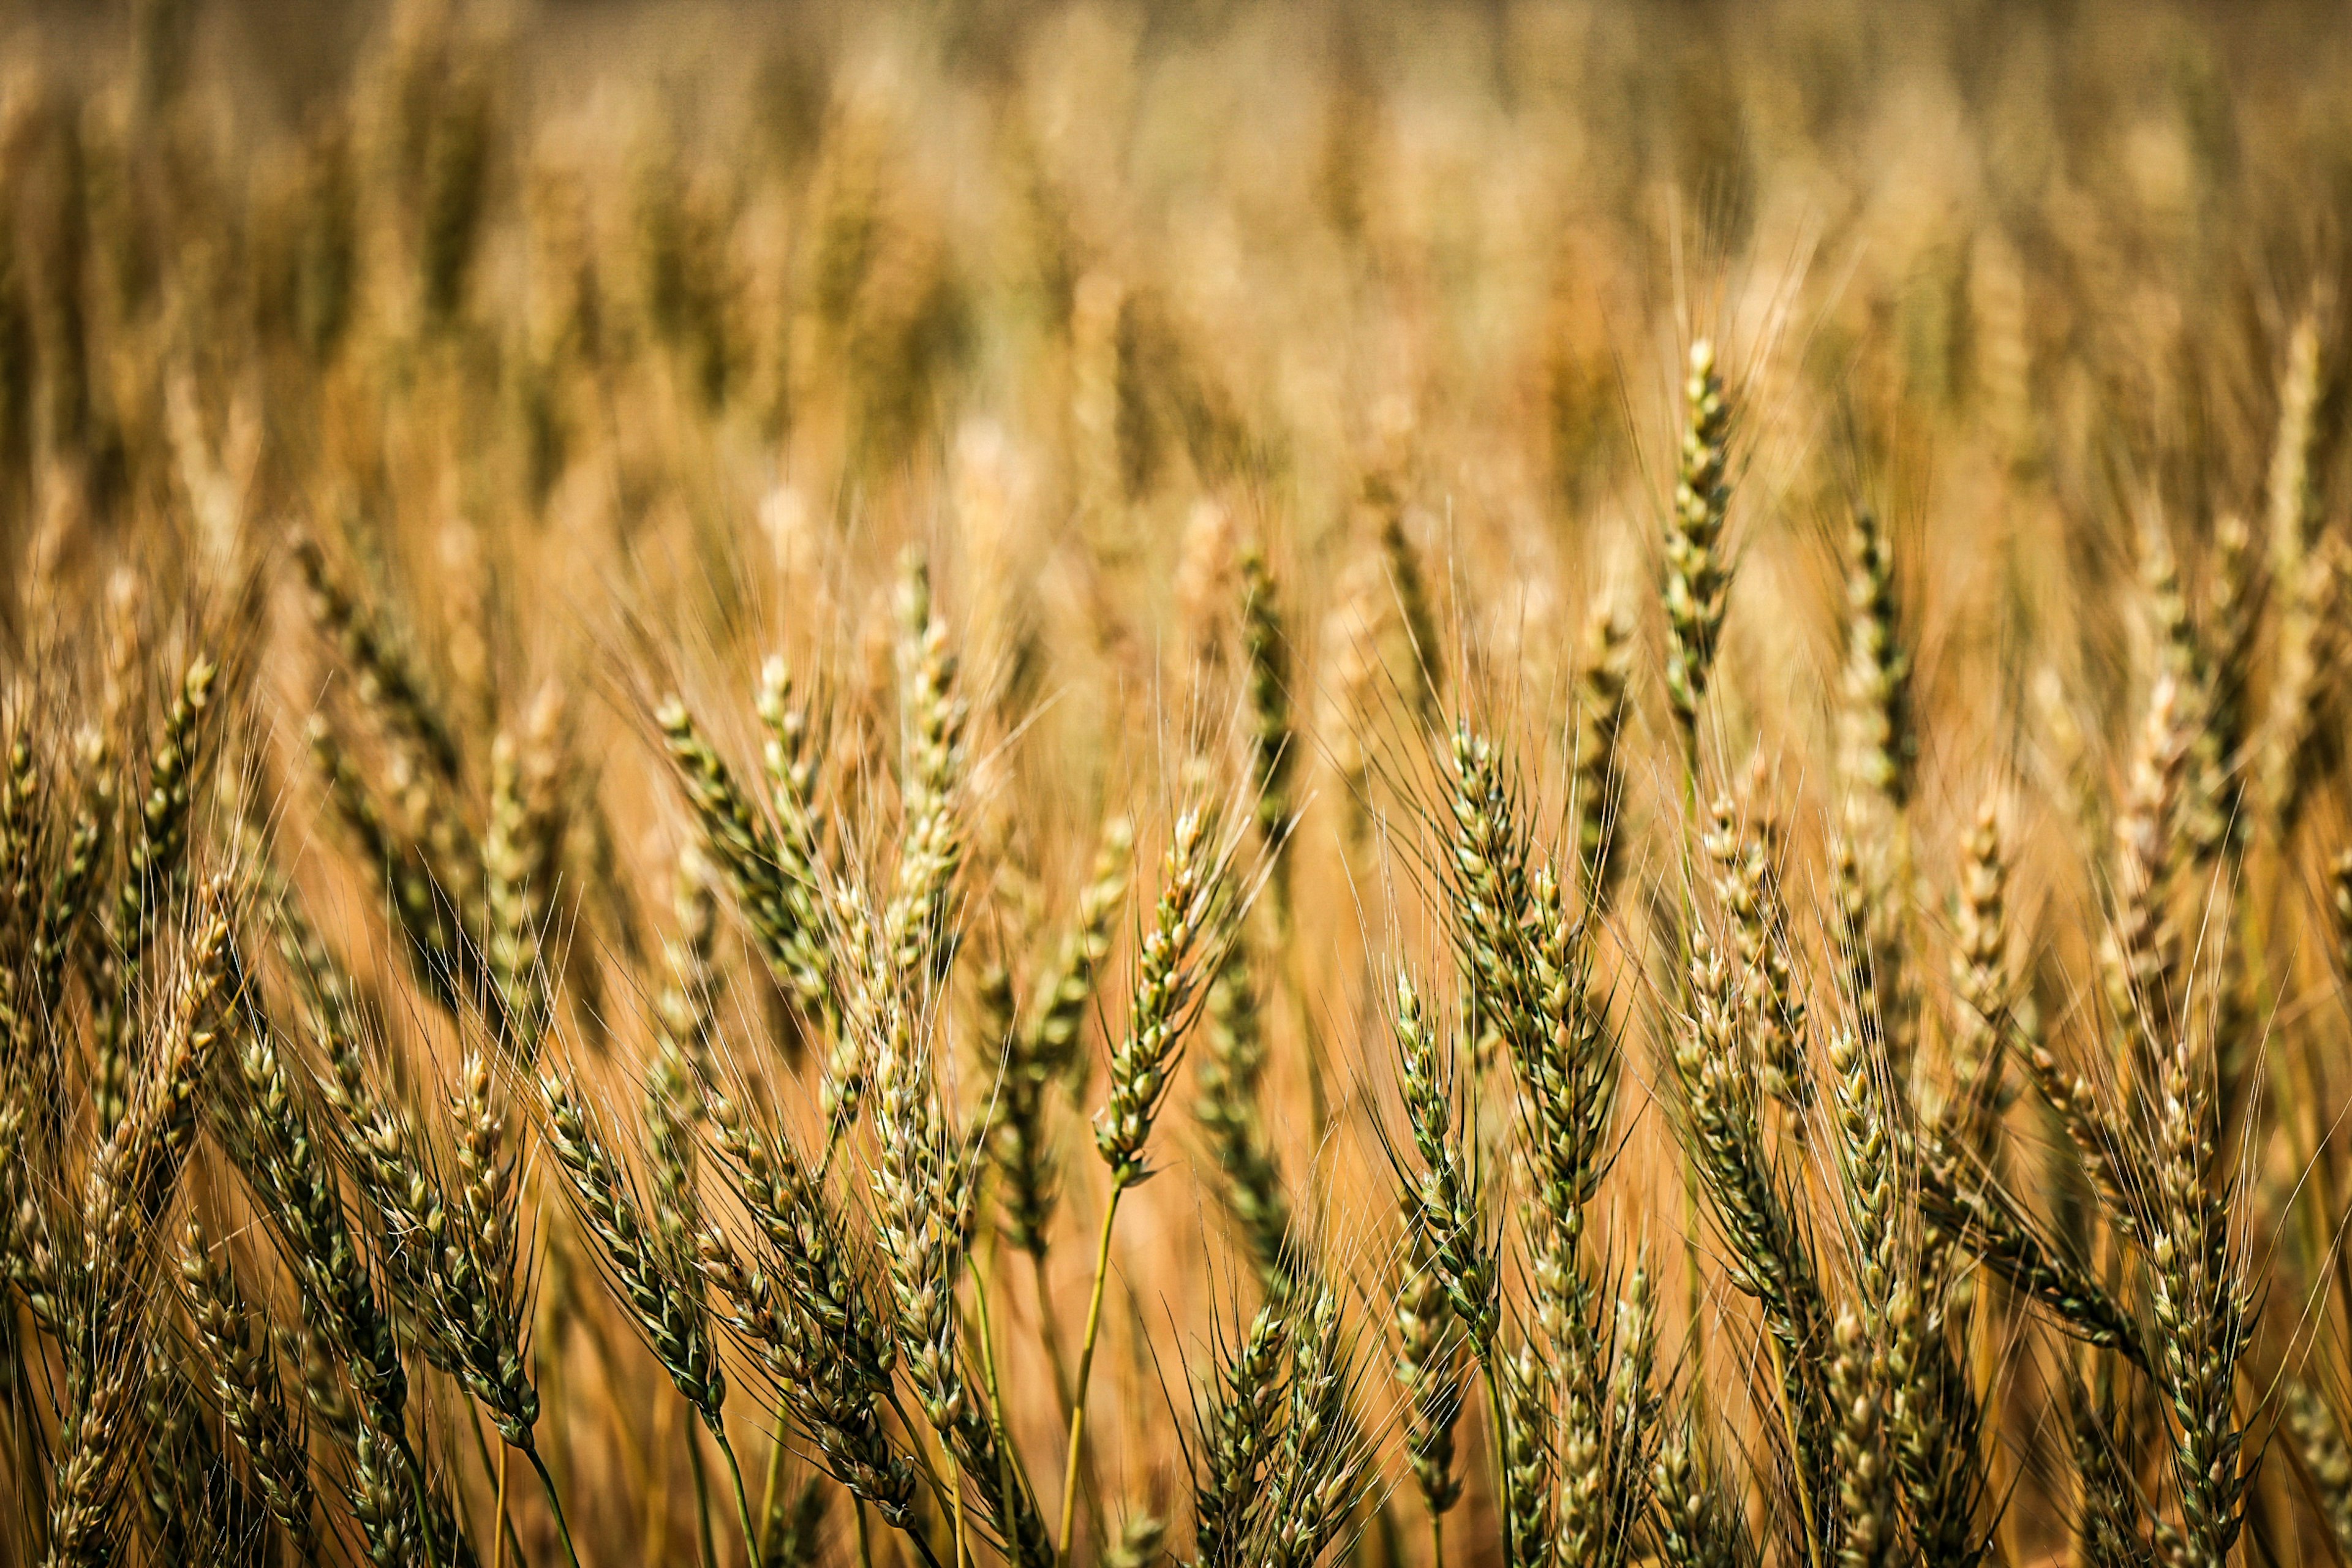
{"x":606,"y":602}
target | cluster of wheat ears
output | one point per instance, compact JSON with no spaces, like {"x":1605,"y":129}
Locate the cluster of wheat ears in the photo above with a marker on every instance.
{"x":776,"y":792}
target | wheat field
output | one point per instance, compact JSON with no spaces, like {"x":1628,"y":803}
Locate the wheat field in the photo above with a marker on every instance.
{"x":1231,"y":785}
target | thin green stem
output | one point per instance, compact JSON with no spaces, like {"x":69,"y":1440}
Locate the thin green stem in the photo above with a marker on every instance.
{"x":1049,"y":1333}
{"x":751,"y":1541}
{"x":955,"y":1502}
{"x":768,"y":1493}
{"x":1086,"y":1367}
{"x":865,"y":1540}
{"x":1497,"y":1418}
{"x":988,"y":1369}
{"x":554,"y":1505}
{"x":1436,"y":1538}
{"x":496,"y":1470}
{"x":922,"y":1545}
{"x":701,"y":1498}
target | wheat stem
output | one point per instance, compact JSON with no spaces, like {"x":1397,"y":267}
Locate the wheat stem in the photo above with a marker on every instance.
{"x":775,"y":1470}
{"x":751,"y":1541}
{"x":1006,"y":1463}
{"x":1085,"y":1366}
{"x":554,"y":1505}
{"x":498,"y":1548}
{"x":701,"y":1497}
{"x":1497,"y":1420}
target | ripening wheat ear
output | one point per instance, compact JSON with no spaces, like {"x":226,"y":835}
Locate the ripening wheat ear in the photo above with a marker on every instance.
{"x":1266,"y":653}
{"x":156,"y":853}
{"x":1441,"y":1189}
{"x":1044,"y":1050}
{"x":1865,"y":1529}
{"x":252,"y":1398}
{"x":2320,"y":1438}
{"x":2202,"y":1302}
{"x":1713,"y":1060}
{"x":1881,"y":744}
{"x":195,"y":1503}
{"x":923,"y":1185}
{"x":1748,"y":887}
{"x":1238,"y":1433}
{"x":774,"y":906}
{"x":1171,"y":974}
{"x":1485,"y":879}
{"x":478,"y":1270}
{"x":655,"y":1267}
{"x":131,"y":1181}
{"x":431,"y":934}
{"x":1230,"y":1113}
{"x":23,"y":838}
{"x":1698,"y":581}
{"x":28,"y":1249}
{"x":1409,"y":590}
{"x":2290,"y":491}
{"x":1921,"y":1424}
{"x":519,"y":872}
{"x":791,"y":757}
{"x":270,"y":1133}
{"x":65,"y":907}
{"x":1700,"y":1521}
{"x":1597,"y":783}
{"x":916,"y":925}
{"x":21,"y":827}
{"x":1430,"y":1350}
{"x":427,"y":773}
{"x":2297,"y":743}
{"x":915,"y":938}
{"x":155,"y":871}
{"x":1317,"y":1478}
{"x":1568,"y":1072}
{"x":1983,"y":990}
{"x":2141,"y":955}
{"x":1598,"y":1432}
{"x":802,"y":1305}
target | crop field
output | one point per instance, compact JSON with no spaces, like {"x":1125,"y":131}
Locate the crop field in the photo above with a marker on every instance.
{"x":1530,"y":785}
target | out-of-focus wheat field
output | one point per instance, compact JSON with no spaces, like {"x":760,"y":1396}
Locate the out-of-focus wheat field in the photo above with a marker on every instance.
{"x":1234,"y":784}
